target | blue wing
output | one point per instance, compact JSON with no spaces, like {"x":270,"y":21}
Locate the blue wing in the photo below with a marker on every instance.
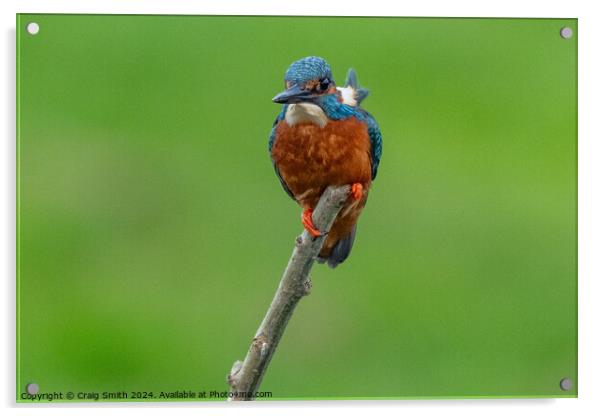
{"x":376,"y":141}
{"x":271,"y":141}
{"x":376,"y":144}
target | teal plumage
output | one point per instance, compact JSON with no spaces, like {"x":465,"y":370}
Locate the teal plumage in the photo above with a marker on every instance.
{"x":321,"y":137}
{"x":335,"y":110}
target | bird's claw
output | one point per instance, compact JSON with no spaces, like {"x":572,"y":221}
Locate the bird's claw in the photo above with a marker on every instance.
{"x":357,"y":191}
{"x":308,"y":223}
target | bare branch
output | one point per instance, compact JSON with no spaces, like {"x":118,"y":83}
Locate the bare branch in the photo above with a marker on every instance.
{"x":245,"y":377}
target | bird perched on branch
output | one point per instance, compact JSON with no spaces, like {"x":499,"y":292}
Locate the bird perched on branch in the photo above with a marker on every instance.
{"x":323,"y":137}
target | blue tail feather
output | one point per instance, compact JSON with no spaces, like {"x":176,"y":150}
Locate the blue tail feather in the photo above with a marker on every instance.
{"x":351,"y":81}
{"x":340,"y":251}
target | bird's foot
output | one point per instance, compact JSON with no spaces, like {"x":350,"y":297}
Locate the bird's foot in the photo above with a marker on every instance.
{"x":308,"y":223}
{"x":357,"y":191}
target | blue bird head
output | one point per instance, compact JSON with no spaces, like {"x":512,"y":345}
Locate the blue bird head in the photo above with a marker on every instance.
{"x":306,"y":80}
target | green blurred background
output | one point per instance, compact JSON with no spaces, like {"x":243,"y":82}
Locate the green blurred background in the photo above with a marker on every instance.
{"x":153,"y":231}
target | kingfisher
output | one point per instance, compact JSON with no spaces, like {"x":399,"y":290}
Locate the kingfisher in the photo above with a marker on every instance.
{"x":323,"y":137}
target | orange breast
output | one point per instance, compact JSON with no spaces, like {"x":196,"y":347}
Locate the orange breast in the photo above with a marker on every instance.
{"x":310,"y":158}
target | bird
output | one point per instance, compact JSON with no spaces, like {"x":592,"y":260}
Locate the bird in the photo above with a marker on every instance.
{"x":323,"y":137}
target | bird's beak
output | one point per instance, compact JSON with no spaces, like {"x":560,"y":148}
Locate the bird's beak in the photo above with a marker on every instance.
{"x":291,"y":95}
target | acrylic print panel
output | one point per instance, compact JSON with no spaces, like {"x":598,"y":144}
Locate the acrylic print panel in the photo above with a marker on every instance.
{"x":153,"y":231}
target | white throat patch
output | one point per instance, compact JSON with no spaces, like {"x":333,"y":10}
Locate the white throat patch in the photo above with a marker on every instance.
{"x":349,"y":95}
{"x":304,"y":113}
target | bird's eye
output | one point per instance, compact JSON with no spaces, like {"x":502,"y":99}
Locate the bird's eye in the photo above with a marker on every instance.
{"x":324,"y":84}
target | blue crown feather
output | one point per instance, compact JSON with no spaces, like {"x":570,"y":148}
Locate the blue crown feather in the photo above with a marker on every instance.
{"x":306,"y":69}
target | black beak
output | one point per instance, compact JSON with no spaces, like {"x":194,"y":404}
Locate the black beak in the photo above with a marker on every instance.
{"x":294,"y":94}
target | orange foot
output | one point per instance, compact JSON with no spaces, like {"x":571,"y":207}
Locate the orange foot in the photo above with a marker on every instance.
{"x":357,"y":191}
{"x":308,"y":223}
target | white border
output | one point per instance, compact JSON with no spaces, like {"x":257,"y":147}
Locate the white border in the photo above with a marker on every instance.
{"x":590,"y":202}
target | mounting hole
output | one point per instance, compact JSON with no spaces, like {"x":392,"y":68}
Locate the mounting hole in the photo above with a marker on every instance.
{"x":566,"y":33}
{"x":566,"y":384}
{"x":33,"y":28}
{"x":32,"y":388}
